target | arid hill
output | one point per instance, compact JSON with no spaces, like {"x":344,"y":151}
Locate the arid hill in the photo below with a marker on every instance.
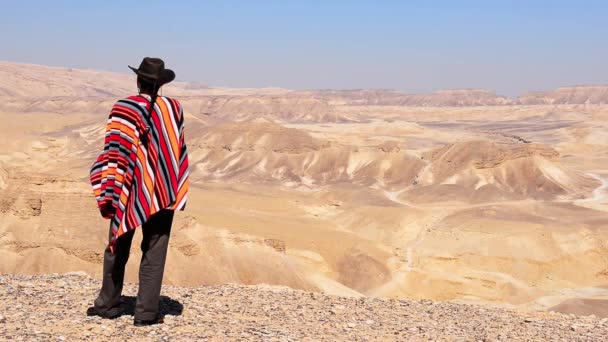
{"x":456,"y":98}
{"x":41,"y":89}
{"x":268,"y":152}
{"x":484,"y":171}
{"x":220,"y":107}
{"x":595,"y":95}
{"x":28,"y":80}
{"x":475,"y":171}
{"x":443,"y":98}
{"x":21,"y":83}
{"x":285,"y":108}
{"x":352,"y":193}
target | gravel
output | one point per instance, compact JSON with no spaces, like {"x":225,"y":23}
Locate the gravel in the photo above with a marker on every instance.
{"x":52,"y":307}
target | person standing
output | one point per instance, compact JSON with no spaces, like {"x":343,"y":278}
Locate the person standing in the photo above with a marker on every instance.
{"x":140,"y":179}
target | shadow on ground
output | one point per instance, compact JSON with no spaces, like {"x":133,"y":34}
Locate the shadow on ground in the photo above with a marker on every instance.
{"x":168,"y":306}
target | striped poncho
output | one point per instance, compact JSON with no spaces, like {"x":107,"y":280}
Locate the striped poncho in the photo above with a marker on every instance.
{"x":141,"y":171}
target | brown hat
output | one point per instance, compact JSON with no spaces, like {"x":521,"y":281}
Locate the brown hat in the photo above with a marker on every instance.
{"x":153,"y":69}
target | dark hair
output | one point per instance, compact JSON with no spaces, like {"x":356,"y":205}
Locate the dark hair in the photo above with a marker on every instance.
{"x":146,"y":86}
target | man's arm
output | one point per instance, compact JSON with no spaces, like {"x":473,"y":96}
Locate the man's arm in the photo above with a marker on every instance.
{"x":108,"y":172}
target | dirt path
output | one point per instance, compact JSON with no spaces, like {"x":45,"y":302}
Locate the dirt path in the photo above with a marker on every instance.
{"x":407,"y":260}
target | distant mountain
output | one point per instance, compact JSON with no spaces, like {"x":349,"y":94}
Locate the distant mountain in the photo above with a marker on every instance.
{"x":36,"y":89}
{"x":283,"y":108}
{"x":443,"y":98}
{"x":463,"y":97}
{"x":567,"y":95}
{"x":22,"y":83}
{"x":30,"y":80}
{"x":457,"y":98}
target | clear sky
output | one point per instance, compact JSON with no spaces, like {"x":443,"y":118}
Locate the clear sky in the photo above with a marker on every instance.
{"x":505,"y":46}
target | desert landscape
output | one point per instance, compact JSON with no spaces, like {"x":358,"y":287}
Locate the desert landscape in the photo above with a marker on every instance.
{"x":458,"y":195}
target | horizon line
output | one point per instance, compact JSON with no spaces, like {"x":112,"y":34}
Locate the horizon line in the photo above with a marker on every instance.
{"x":437,"y":90}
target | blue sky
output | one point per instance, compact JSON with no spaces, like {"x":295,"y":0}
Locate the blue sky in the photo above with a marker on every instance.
{"x":416,"y":46}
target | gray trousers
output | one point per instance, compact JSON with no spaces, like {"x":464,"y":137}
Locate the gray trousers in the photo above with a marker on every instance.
{"x":154,"y":254}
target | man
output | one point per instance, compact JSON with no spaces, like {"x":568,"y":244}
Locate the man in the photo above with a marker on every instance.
{"x":139,"y":179}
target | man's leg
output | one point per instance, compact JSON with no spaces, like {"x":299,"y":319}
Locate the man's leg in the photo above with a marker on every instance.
{"x":154,"y":253}
{"x":114,"y":273}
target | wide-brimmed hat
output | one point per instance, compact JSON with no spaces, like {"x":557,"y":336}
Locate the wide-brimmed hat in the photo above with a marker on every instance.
{"x":153,"y":69}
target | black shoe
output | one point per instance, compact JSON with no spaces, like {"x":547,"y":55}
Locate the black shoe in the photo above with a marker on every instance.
{"x":145,"y":323}
{"x":111,"y":313}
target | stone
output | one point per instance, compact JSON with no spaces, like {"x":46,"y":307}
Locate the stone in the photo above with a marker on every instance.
{"x":78,"y":274}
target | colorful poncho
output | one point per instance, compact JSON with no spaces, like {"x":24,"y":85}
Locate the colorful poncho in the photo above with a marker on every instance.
{"x":141,"y":171}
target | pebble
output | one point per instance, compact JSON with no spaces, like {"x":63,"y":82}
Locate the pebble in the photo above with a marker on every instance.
{"x":269,"y":313}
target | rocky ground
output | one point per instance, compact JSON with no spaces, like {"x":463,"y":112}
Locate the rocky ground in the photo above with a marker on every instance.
{"x":52,"y":307}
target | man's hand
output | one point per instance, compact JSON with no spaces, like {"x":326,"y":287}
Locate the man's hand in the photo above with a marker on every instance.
{"x":107,"y":210}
